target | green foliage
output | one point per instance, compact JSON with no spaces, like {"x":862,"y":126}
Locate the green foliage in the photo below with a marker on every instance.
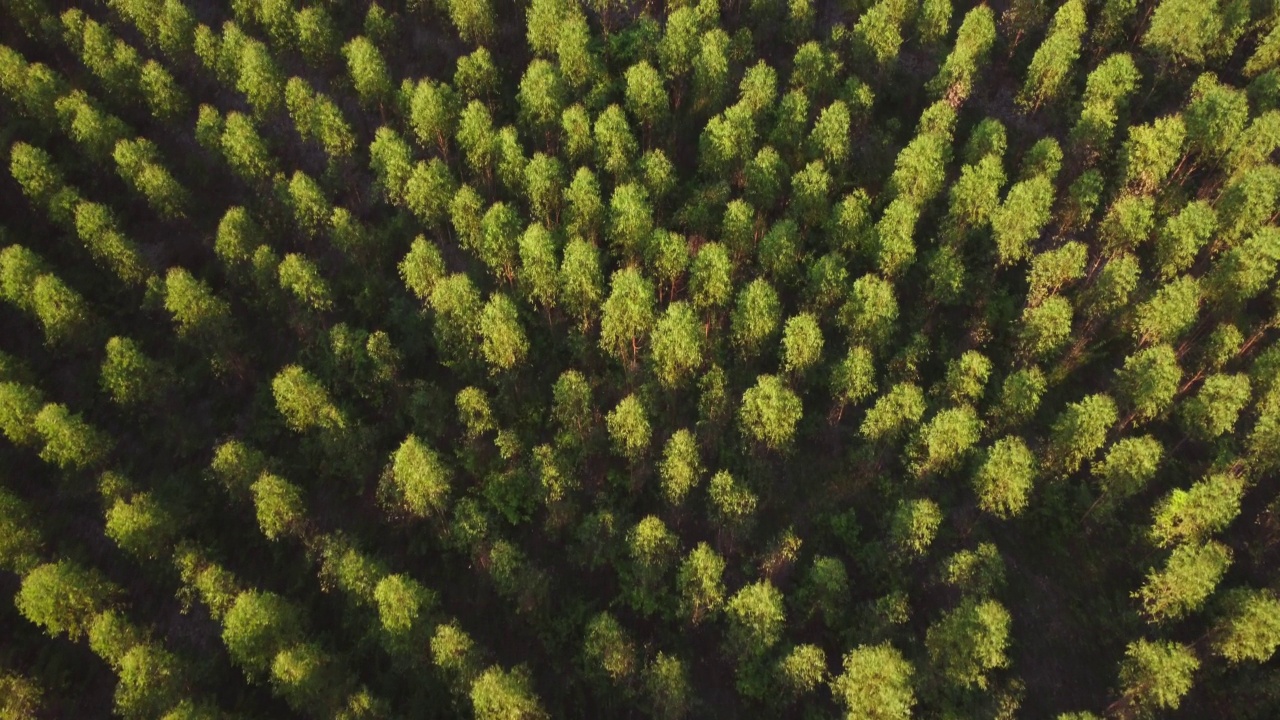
{"x":279,"y":505}
{"x":978,"y":571}
{"x":69,"y":441}
{"x":581,"y":284}
{"x":802,"y":670}
{"x":755,"y":619}
{"x":769,"y":412}
{"x":19,"y":405}
{"x":1155,"y":675}
{"x":1051,"y":65}
{"x":1200,"y":511}
{"x":419,"y":479}
{"x":1005,"y":478}
{"x":304,"y":402}
{"x":942,"y":442}
{"x":257,"y":626}
{"x":629,"y":428}
{"x":1249,"y":630}
{"x":876,"y":684}
{"x":974,"y":40}
{"x":788,"y":330}
{"x":700,"y":583}
{"x":1187,"y":579}
{"x":1183,"y":32}
{"x":1214,"y":409}
{"x":1151,"y":152}
{"x":151,"y":681}
{"x":966,"y":377}
{"x":669,"y":688}
{"x":1079,"y":432}
{"x":141,"y":526}
{"x":894,"y":412}
{"x":502,"y":339}
{"x":1148,"y":381}
{"x":22,"y":697}
{"x":733,"y":504}
{"x":914,"y":526}
{"x":1180,"y":239}
{"x":1215,"y":117}
{"x":20,"y":542}
{"x":801,"y":344}
{"x":455,"y":653}
{"x":970,"y":641}
{"x":1127,"y":224}
{"x":755,"y":318}
{"x":1021,"y":217}
{"x":302,"y":279}
{"x":498,"y":694}
{"x":1170,"y":311}
{"x":1045,"y":328}
{"x":626,"y":315}
{"x":64,"y":597}
{"x":608,"y":651}
{"x":1128,"y":466}
{"x":854,"y":378}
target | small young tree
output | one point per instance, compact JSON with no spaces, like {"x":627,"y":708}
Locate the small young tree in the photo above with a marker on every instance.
{"x":1214,"y":409}
{"x":801,"y":344}
{"x":130,"y":377}
{"x":970,"y":641}
{"x":646,"y":97}
{"x":70,"y":442}
{"x":1169,"y":313}
{"x":616,"y":146}
{"x":1193,"y":515}
{"x":755,"y":317}
{"x":368,"y":70}
{"x":1045,"y":328}
{"x":913,"y":527}
{"x":1249,"y":629}
{"x":1005,"y":478}
{"x":1155,"y":675}
{"x":502,"y":339}
{"x":1183,"y":32}
{"x":756,"y":620}
{"x":941,"y":443}
{"x":1128,"y":467}
{"x":626,"y":315}
{"x":700,"y":583}
{"x":1050,"y":68}
{"x":302,"y":279}
{"x":419,"y":479}
{"x":584,"y":208}
{"x":609,"y":652}
{"x":1148,"y":381}
{"x":543,"y":95}
{"x":257,"y":627}
{"x":962,"y":66}
{"x":1151,"y":152}
{"x":1185,"y":583}
{"x":1079,"y":432}
{"x":629,"y":428}
{"x":677,"y":345}
{"x":1021,"y":217}
{"x":280,"y":507}
{"x":474,"y":20}
{"x":893,"y":413}
{"x":770,"y":412}
{"x":875,"y":684}
{"x":580,"y":281}
{"x":304,"y":403}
